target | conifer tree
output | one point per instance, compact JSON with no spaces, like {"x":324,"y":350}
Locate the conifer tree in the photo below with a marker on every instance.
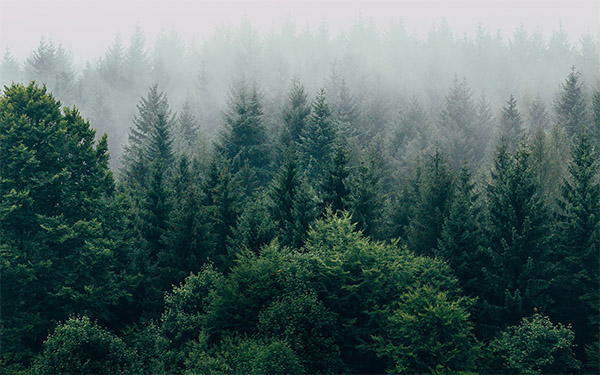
{"x":295,"y":116}
{"x":461,"y":236}
{"x":570,"y":105}
{"x":367,"y":199}
{"x":335,"y":189}
{"x":318,"y":138}
{"x":578,"y":237}
{"x":244,"y":139}
{"x":431,"y":209}
{"x":292,"y":202}
{"x":511,"y":124}
{"x":517,"y":228}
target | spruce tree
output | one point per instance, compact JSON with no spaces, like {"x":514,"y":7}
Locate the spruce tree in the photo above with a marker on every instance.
{"x":335,"y":188}
{"x":461,"y":236}
{"x":517,"y":227}
{"x":366,"y":198}
{"x":295,"y":116}
{"x":578,"y":238}
{"x":244,"y":139}
{"x":318,"y":138}
{"x":431,"y":209}
{"x":292,"y":202}
{"x":511,"y":124}
{"x":570,"y":105}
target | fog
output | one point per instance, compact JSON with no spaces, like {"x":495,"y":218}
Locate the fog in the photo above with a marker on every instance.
{"x":378,"y":57}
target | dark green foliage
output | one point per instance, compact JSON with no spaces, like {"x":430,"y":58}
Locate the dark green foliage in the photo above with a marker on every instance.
{"x":222,"y":201}
{"x":317,"y":139}
{"x":535,"y":346}
{"x":447,"y":345}
{"x":295,"y":117}
{"x":80,"y":346}
{"x":431,"y":209}
{"x":570,"y":105}
{"x":364,"y":282}
{"x":243,"y":141}
{"x":301,"y":320}
{"x":254,"y":228}
{"x":461,"y":236}
{"x":56,"y":256}
{"x":517,"y":228}
{"x":578,"y":239}
{"x":366,"y":198}
{"x":238,"y":356}
{"x":292,"y":203}
{"x":595,"y":128}
{"x":335,"y":187}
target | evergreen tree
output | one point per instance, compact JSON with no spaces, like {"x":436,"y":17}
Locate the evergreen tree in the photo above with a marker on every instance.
{"x":570,"y":105}
{"x":578,"y":237}
{"x":188,"y":129}
{"x":292,"y":203}
{"x":318,"y":138}
{"x":517,"y":228}
{"x":537,"y":115}
{"x":366,"y":198}
{"x":461,"y":236}
{"x":595,"y":131}
{"x":56,"y":257}
{"x":335,"y":189}
{"x":10,"y":69}
{"x":149,"y":139}
{"x":431,"y":209}
{"x":244,"y":139}
{"x":295,"y":116}
{"x":221,"y":198}
{"x":459,"y":131}
{"x":511,"y":124}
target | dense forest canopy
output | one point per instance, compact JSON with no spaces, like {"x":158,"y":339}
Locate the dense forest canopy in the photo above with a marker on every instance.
{"x":299,"y":202}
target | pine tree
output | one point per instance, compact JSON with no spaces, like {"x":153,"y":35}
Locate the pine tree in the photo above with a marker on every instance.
{"x":335,"y":189}
{"x":221,"y":198}
{"x":149,"y":139}
{"x":458,"y":126}
{"x":570,"y":105}
{"x":366,"y":198}
{"x":10,"y":69}
{"x":244,"y":139}
{"x":578,"y":237}
{"x":511,"y":124}
{"x":431,"y":210}
{"x":595,"y":131}
{"x":318,"y":138}
{"x":461,"y":236}
{"x":292,"y":202}
{"x":295,"y":116}
{"x":517,"y":228}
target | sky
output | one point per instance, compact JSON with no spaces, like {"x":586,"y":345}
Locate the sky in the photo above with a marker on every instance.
{"x":88,"y":27}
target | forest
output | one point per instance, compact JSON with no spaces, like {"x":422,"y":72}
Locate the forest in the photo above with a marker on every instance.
{"x":299,"y":202}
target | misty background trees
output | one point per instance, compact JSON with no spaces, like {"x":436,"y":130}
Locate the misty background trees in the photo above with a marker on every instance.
{"x":303,"y":203}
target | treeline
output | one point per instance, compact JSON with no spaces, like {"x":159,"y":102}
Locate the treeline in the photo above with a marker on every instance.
{"x":372,"y":76}
{"x":312,"y":249}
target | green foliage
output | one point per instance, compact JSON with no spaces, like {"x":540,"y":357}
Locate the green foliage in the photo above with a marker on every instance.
{"x":366,"y":198}
{"x":292,"y":203}
{"x":310,"y":329}
{"x":511,"y":124}
{"x":243,"y":141}
{"x":570,"y":105}
{"x":428,"y":333}
{"x":517,"y":227}
{"x":317,"y":138}
{"x":535,"y":346}
{"x":238,"y":356}
{"x":56,"y":255}
{"x":295,"y":116}
{"x":435,"y":194}
{"x":335,"y":189}
{"x":578,"y":238}
{"x":80,"y":346}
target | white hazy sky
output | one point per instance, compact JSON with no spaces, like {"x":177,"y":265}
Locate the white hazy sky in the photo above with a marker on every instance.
{"x":88,"y":27}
